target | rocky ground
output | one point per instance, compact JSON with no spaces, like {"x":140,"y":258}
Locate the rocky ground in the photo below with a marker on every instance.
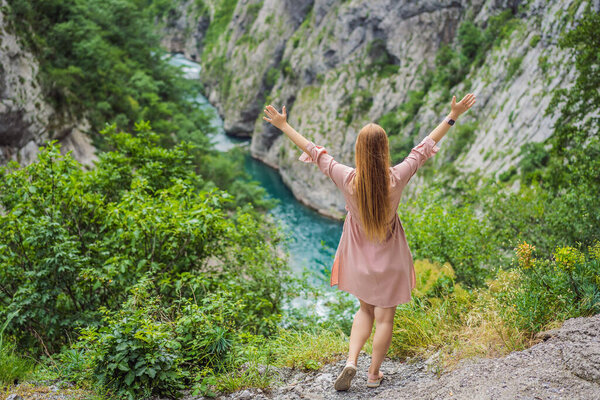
{"x":565,"y":364}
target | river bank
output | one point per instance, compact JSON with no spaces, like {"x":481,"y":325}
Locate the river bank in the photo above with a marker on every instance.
{"x":313,"y":237}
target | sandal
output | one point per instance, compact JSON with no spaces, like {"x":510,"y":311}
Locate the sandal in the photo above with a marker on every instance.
{"x":374,"y":382}
{"x":345,"y":379}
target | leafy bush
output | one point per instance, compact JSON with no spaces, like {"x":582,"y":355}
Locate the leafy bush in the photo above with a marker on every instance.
{"x":553,"y":290}
{"x":441,"y":231}
{"x":535,"y":158}
{"x":135,"y":354}
{"x":433,"y":280}
{"x":73,"y":241}
{"x":461,"y":140}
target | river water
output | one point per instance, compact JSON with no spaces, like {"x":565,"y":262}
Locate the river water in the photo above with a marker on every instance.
{"x":313,"y":237}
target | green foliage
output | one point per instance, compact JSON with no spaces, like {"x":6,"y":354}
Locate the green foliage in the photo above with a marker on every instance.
{"x":286,"y":69}
{"x":513,"y":67}
{"x":453,"y":64}
{"x":356,"y":104}
{"x":543,"y":63}
{"x":439,"y":230}
{"x":271,"y":77}
{"x":438,"y":306}
{"x":552,"y":290}
{"x":252,"y":12}
{"x":572,"y":174}
{"x":534,"y":158}
{"x":12,"y":367}
{"x":135,"y":353}
{"x":102,"y":61}
{"x":308,"y":349}
{"x":508,"y":174}
{"x":74,"y":241}
{"x":535,"y":39}
{"x":500,"y":27}
{"x":379,"y":60}
{"x":470,"y":39}
{"x":395,"y":121}
{"x":218,"y":25}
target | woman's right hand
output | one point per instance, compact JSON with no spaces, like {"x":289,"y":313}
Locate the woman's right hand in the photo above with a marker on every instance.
{"x":462,"y":106}
{"x":278,"y":119}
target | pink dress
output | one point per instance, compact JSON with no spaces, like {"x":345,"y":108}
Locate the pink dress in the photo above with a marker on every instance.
{"x":380,"y":274}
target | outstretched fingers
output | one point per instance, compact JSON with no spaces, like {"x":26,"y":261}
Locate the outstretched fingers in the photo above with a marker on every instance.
{"x":268,"y":116}
{"x":468,"y":101}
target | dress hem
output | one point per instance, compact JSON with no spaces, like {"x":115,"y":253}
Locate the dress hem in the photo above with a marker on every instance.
{"x":371,"y":303}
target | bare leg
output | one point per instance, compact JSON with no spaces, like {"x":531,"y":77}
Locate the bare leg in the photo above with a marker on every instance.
{"x":361,"y":330}
{"x":384,"y":324}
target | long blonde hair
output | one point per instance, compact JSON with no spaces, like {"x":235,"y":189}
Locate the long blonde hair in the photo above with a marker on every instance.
{"x":372,"y":181}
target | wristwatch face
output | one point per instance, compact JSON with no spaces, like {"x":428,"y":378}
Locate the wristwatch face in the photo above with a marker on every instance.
{"x":450,"y":121}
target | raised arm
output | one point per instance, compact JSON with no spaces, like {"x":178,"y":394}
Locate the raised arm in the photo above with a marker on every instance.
{"x":427,"y":148}
{"x":456,"y":109}
{"x":279,"y":120}
{"x":339,"y":173}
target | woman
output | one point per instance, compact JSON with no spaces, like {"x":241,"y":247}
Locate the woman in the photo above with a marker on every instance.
{"x":373,"y":261}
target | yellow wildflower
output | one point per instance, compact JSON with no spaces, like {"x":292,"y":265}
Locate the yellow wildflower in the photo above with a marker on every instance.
{"x":567,"y":257}
{"x":524,"y":255}
{"x":594,"y":250}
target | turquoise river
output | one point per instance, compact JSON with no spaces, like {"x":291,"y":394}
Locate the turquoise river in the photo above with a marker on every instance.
{"x":313,"y":238}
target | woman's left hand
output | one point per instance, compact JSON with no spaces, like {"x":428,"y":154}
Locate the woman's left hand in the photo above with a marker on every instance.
{"x":274,"y":117}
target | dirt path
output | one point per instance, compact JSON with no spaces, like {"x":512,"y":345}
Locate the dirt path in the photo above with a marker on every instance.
{"x":564,"y":366}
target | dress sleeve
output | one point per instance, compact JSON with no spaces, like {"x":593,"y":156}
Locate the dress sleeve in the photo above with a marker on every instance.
{"x":337,"y":172}
{"x":417,"y":157}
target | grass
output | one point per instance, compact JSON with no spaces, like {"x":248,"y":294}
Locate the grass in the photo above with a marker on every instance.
{"x":457,"y":325}
{"x":38,"y":392}
{"x":13,"y":368}
{"x":309,"y":350}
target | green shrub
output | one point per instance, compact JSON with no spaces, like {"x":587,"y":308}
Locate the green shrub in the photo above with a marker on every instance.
{"x":470,"y":39}
{"x":271,"y":77}
{"x":534,"y":158}
{"x":441,"y":231}
{"x":553,"y":290}
{"x":308,"y":349}
{"x":427,"y":323}
{"x":514,"y":66}
{"x":433,"y":280}
{"x":12,"y":367}
{"x":72,"y":241}
{"x":136,"y":354}
{"x":535,"y":39}
{"x":379,"y":60}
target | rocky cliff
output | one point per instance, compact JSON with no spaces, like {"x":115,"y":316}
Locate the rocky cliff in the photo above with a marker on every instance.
{"x":339,"y":64}
{"x":27,"y":119}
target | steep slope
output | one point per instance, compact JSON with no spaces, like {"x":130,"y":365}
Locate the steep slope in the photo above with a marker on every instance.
{"x":340,"y":64}
{"x":27,"y":120}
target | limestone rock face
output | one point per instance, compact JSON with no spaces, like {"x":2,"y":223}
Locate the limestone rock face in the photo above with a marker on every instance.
{"x":323,"y":59}
{"x":27,"y":120}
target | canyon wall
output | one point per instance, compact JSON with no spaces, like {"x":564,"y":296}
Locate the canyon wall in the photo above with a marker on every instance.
{"x":27,"y":119}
